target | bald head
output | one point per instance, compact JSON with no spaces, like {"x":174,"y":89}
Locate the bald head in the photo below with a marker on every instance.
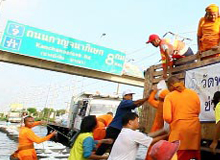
{"x":172,"y":80}
{"x":27,"y":118}
{"x":28,"y":121}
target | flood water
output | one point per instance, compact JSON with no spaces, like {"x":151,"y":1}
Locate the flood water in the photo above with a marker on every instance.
{"x":8,"y":146}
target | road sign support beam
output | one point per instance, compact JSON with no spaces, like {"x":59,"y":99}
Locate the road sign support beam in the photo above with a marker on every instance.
{"x":64,"y":68}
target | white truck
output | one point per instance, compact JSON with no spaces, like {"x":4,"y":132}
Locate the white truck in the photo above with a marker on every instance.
{"x":83,"y":105}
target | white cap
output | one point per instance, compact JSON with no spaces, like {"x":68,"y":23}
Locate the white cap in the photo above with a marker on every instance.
{"x":128,"y":91}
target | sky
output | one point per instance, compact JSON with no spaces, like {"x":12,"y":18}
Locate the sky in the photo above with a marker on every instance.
{"x":127,"y":25}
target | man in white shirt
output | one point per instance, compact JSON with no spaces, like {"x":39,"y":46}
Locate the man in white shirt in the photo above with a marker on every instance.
{"x":127,"y":143}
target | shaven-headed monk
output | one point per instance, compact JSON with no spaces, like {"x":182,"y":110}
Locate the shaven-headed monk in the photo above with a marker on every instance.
{"x":102,"y":122}
{"x":27,"y":137}
{"x":181,"y":110}
{"x":209,"y":29}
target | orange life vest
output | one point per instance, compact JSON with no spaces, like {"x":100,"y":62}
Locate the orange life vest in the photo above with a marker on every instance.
{"x":174,"y":48}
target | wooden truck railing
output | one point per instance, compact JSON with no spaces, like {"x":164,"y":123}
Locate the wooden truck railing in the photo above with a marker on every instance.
{"x":154,"y":74}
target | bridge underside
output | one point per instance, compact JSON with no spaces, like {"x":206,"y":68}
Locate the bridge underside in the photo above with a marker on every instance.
{"x":54,"y":66}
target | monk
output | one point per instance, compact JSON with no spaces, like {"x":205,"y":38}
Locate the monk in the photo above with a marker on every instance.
{"x":181,"y":110}
{"x":208,"y":35}
{"x":158,"y":120}
{"x":103,"y":122}
{"x":27,"y":137}
{"x":158,"y":104}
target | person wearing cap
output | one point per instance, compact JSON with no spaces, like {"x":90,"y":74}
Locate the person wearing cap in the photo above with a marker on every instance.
{"x":181,"y":110}
{"x":169,"y":51}
{"x":114,"y":128}
{"x":126,"y":145}
{"x":208,"y":34}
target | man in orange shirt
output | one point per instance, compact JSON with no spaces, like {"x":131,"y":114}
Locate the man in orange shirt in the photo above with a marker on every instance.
{"x":158,"y":104}
{"x":208,"y":35}
{"x":181,"y":110}
{"x":103,"y":122}
{"x":169,"y":51}
{"x":27,"y":137}
{"x":158,"y":120}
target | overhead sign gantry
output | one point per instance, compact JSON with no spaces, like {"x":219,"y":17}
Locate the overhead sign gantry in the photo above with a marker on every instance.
{"x":25,"y":45}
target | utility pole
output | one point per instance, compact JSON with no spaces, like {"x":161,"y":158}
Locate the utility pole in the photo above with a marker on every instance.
{"x":117,"y":91}
{"x":1,"y":1}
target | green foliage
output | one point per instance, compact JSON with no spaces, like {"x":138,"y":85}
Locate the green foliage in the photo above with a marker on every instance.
{"x":32,"y":111}
{"x":60,"y":112}
{"x":47,"y":112}
{"x":3,"y":118}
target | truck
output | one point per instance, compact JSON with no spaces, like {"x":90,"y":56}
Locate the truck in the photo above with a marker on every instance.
{"x":203,"y":76}
{"x":85,"y":104}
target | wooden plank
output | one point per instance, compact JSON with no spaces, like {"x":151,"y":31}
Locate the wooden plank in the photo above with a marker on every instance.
{"x":145,"y":111}
{"x":157,"y":73}
{"x":156,"y":80}
{"x":209,"y":150}
{"x":157,"y":66}
{"x":180,"y":75}
{"x":196,"y":64}
{"x":210,"y":52}
{"x":208,"y":130}
{"x":186,"y":59}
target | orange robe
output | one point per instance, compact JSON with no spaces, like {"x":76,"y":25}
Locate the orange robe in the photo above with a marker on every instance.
{"x":26,"y":138}
{"x":158,"y":120}
{"x":181,"y":110}
{"x":103,"y":122}
{"x":209,"y":33}
{"x":158,"y":104}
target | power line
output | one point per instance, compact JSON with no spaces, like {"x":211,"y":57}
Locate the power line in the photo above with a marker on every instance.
{"x":138,"y":50}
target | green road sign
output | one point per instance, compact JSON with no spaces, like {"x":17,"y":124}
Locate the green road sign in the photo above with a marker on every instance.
{"x":29,"y":41}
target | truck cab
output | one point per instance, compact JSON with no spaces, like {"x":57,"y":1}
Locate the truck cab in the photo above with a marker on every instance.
{"x":83,"y":105}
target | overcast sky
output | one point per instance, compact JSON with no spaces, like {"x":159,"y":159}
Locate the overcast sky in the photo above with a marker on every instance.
{"x":127,"y":24}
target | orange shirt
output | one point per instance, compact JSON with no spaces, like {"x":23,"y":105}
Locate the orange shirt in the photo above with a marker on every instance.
{"x":158,"y":120}
{"x":102,"y":122}
{"x":152,"y":99}
{"x":26,"y":138}
{"x":181,"y":110}
{"x":209,"y":34}
{"x":106,"y":119}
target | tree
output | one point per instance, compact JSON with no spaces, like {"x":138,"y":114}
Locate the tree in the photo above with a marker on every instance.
{"x":60,"y":112}
{"x":32,"y":111}
{"x":46,"y":112}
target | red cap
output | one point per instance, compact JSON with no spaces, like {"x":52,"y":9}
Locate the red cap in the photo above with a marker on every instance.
{"x":164,"y":150}
{"x":152,"y":37}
